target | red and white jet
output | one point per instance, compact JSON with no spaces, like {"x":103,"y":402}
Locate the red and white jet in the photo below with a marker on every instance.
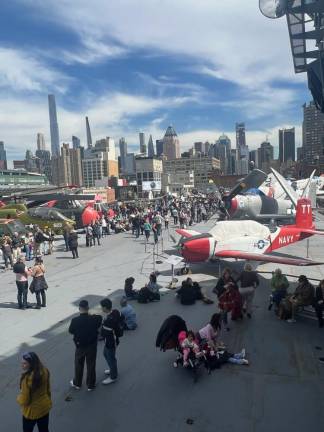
{"x":250,"y":240}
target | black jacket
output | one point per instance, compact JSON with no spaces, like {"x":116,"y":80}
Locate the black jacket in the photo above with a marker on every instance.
{"x":167,"y":337}
{"x":248,"y":279}
{"x":318,"y":294}
{"x":109,"y":329}
{"x":73,"y":240}
{"x":187,"y":294}
{"x":220,"y":286}
{"x":84,"y":329}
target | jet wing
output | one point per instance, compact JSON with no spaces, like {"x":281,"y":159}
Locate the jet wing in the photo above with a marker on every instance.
{"x":286,"y":187}
{"x":265,"y":258}
{"x":253,"y":180}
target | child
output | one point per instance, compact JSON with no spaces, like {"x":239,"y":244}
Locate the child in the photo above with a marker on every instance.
{"x":188,"y":344}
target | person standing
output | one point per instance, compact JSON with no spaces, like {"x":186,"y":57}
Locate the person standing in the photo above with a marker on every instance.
{"x":22,"y":274}
{"x":35,"y":393}
{"x":73,"y":243}
{"x":84,"y":329}
{"x":39,"y":284}
{"x":318,"y":303}
{"x":249,"y":281}
{"x":147,"y":229}
{"x":111,"y":332}
{"x":16,"y":247}
{"x":66,"y":233}
{"x":7,"y":253}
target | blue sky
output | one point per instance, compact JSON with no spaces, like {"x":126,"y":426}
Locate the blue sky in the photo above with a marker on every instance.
{"x":140,"y":65}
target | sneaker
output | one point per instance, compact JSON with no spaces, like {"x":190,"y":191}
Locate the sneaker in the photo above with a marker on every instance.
{"x":249,"y":315}
{"x":107,"y":372}
{"x":108,"y":381}
{"x":91,"y":389}
{"x":243,"y":353}
{"x":245,"y":362}
{"x":74,"y":386}
{"x":291,"y":320}
{"x":175,"y":364}
{"x":321,"y":359}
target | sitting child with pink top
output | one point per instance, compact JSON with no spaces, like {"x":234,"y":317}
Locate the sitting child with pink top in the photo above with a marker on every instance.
{"x":188,"y":344}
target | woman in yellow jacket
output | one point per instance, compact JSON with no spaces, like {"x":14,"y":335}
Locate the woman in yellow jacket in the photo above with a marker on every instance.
{"x":35,"y":394}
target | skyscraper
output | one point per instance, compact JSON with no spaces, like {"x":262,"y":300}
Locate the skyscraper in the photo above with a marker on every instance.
{"x":55,"y":137}
{"x":198,"y":146}
{"x":67,"y":167}
{"x":159,"y":147}
{"x":76,"y":143}
{"x":171,"y":144}
{"x":3,"y":156}
{"x":265,"y":156}
{"x":313,"y":134}
{"x":40,"y":141}
{"x":240,"y":135}
{"x":286,"y":145}
{"x":123,"y":153}
{"x":44,"y":162}
{"x":223,"y":144}
{"x":142,"y":143}
{"x":150,"y":149}
{"x":89,"y":137}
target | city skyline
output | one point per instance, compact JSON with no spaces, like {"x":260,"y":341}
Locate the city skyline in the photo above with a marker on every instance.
{"x":138,"y":86}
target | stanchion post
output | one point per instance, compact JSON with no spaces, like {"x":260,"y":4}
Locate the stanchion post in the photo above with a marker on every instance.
{"x":307,"y":248}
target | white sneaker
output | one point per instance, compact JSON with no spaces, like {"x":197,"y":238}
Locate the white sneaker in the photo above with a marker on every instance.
{"x":245,"y":362}
{"x":74,"y":386}
{"x":291,"y":321}
{"x":108,"y":381}
{"x":243,"y":353}
{"x":107,"y":372}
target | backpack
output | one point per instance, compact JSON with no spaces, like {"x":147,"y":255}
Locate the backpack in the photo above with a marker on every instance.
{"x":119,"y":324}
{"x":19,"y":268}
{"x":143,"y":295}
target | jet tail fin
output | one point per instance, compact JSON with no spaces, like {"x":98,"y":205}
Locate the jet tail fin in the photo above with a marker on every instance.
{"x":286,"y":187}
{"x":304,"y":213}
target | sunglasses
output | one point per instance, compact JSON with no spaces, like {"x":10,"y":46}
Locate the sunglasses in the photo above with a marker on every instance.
{"x":27,"y":356}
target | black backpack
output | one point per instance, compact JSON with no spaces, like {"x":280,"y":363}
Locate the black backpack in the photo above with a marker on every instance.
{"x":19,"y":268}
{"x":119,"y":324}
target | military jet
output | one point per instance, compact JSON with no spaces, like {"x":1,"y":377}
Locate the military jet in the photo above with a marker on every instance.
{"x":250,"y":240}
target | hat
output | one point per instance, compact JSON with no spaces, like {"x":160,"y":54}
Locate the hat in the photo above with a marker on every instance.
{"x":84,"y":304}
{"x":302,"y":278}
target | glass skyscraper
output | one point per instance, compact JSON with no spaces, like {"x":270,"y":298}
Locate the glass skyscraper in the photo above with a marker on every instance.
{"x":55,"y":138}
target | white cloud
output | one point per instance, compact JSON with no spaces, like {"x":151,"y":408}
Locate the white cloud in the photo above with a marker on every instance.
{"x":111,"y":115}
{"x":227,"y":39}
{"x":20,"y":71}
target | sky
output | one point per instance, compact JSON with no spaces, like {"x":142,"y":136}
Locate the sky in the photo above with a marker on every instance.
{"x":142,"y":65}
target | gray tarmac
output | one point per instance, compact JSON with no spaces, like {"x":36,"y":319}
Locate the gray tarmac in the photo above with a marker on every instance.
{"x":282,"y":389}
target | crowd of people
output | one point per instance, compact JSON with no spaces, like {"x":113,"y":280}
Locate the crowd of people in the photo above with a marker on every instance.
{"x":234,"y":295}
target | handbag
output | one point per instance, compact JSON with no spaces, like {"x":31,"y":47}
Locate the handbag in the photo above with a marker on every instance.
{"x":38,"y":283}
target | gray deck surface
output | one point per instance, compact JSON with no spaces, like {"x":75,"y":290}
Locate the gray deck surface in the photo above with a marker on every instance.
{"x":282,"y":389}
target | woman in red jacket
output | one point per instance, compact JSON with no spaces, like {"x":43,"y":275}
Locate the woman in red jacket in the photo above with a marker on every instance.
{"x":230,"y":301}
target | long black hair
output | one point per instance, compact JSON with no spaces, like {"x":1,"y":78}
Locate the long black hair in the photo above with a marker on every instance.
{"x":215,"y":321}
{"x":36,"y":368}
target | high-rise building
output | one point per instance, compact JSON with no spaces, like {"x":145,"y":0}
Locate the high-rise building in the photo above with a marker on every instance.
{"x":171,"y":144}
{"x":240,"y":136}
{"x":67,"y":167}
{"x":89,"y":137}
{"x":159,"y":147}
{"x":313,"y":134}
{"x":150,"y":148}
{"x":198,"y":146}
{"x":106,"y":145}
{"x":123,"y":153}
{"x":45,"y":166}
{"x":41,"y":142}
{"x":3,"y":156}
{"x":286,"y":145}
{"x":253,"y":157}
{"x":223,"y":145}
{"x":55,"y":137}
{"x":143,"y":149}
{"x":76,"y":143}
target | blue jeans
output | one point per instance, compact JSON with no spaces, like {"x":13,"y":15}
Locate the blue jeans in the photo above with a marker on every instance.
{"x":110,"y":356}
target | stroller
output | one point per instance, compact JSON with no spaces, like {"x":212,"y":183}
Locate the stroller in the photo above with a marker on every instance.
{"x":170,"y":336}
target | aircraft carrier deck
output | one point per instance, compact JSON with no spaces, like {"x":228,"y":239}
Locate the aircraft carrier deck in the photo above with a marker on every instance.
{"x":282,"y":389}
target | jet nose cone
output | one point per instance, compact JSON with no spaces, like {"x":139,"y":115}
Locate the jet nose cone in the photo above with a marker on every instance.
{"x":196,"y":250}
{"x":89,"y":215}
{"x":233,"y":206}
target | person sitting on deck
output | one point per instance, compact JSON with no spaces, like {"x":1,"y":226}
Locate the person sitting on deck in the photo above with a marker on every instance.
{"x":303,"y":296}
{"x":279,"y":286}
